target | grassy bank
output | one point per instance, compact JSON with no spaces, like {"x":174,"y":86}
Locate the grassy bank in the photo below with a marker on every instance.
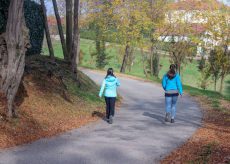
{"x":190,"y":73}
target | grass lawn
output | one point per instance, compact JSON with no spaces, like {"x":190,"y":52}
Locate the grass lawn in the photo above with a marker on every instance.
{"x":190,"y":74}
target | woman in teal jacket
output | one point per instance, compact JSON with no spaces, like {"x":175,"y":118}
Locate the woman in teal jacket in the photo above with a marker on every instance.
{"x":109,"y":88}
{"x":171,"y":83}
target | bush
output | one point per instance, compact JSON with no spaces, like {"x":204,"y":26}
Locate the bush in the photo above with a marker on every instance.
{"x":4,"y":5}
{"x":204,"y":80}
{"x":34,"y":21}
{"x":202,"y":62}
{"x":87,"y":34}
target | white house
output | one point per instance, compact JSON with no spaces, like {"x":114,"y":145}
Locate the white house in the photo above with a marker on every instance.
{"x":188,"y":17}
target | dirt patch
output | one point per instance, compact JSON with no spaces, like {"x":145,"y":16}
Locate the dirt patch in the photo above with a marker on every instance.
{"x":210,"y":143}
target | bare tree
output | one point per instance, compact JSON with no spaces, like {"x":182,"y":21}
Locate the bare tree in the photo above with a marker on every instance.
{"x":49,"y":43}
{"x":12,"y":53}
{"x":59,"y":24}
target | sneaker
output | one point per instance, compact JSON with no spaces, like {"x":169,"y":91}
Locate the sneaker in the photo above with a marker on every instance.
{"x":167,"y":117}
{"x":172,"y":120}
{"x":106,"y":119}
{"x":110,"y":119}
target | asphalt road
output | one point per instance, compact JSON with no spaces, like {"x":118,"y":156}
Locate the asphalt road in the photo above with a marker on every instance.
{"x":139,"y":134}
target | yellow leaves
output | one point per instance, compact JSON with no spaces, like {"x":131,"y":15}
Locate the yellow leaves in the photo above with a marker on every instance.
{"x":131,"y":20}
{"x":127,"y":21}
{"x":218,"y":26}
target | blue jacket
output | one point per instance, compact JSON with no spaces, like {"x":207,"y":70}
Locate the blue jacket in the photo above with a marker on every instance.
{"x":109,"y":85}
{"x":173,"y":84}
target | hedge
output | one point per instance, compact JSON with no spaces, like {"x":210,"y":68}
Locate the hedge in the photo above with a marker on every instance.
{"x":34,"y":21}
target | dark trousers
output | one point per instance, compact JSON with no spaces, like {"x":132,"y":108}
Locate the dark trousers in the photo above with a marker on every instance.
{"x":110,"y":106}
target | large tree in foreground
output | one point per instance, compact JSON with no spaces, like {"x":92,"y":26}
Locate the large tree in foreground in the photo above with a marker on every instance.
{"x":12,"y":53}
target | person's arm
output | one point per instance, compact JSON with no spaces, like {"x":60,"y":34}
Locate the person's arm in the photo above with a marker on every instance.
{"x":164,"y":82}
{"x":118,"y":82}
{"x":179,"y":84}
{"x":102,"y":88}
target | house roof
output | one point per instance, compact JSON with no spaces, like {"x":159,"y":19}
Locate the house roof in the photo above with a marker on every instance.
{"x":196,"y":5}
{"x":178,"y":30}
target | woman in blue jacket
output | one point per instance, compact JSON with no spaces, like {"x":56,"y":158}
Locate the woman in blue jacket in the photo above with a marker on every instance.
{"x":109,"y":88}
{"x":172,"y":85}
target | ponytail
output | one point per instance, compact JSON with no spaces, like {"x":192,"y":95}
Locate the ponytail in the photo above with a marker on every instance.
{"x":110,"y":73}
{"x":172,"y":71}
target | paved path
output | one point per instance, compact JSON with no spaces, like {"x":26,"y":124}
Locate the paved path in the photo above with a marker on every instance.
{"x":139,"y":134}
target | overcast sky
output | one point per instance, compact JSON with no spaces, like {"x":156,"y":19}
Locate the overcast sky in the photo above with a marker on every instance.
{"x":50,"y":7}
{"x":227,"y":2}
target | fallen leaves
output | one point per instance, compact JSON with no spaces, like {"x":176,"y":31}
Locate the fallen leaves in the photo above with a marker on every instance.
{"x":43,"y":112}
{"x":211,"y":142}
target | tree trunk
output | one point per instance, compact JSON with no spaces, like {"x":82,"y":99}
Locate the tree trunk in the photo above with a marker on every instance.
{"x":124,"y":62}
{"x":222,"y":83}
{"x":76,"y":38}
{"x":145,"y":70}
{"x":12,"y":61}
{"x":69,"y":25}
{"x":155,"y":59}
{"x":155,"y":64}
{"x":130,"y":59}
{"x":49,"y":42}
{"x":143,"y":62}
{"x":151,"y":63}
{"x":215,"y":81}
{"x":66,"y":56}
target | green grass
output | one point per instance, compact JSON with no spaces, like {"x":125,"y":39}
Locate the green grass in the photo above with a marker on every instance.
{"x":190,"y":74}
{"x":212,"y":97}
{"x":85,"y":89}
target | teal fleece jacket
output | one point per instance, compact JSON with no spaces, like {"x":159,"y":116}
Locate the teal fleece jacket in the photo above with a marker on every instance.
{"x":109,"y":87}
{"x":173,"y":84}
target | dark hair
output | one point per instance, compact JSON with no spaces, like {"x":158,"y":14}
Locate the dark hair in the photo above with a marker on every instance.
{"x":110,"y":72}
{"x":172,"y":71}
{"x":173,"y":66}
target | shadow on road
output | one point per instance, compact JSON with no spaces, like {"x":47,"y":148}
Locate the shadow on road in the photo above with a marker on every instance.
{"x":157,"y":117}
{"x":99,"y":115}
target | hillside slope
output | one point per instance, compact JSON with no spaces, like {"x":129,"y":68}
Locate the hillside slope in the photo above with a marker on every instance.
{"x":49,"y":101}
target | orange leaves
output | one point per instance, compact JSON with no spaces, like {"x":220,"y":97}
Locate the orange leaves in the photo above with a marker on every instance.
{"x":210,"y":144}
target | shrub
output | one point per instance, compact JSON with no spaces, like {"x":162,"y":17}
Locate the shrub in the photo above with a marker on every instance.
{"x":202,"y":62}
{"x":34,"y":21}
{"x":4,"y":5}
